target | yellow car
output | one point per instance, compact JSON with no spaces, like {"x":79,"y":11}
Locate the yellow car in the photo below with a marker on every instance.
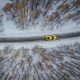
{"x":55,"y":37}
{"x":51,"y":38}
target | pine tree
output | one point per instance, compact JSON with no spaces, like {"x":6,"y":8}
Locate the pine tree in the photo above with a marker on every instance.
{"x":25,"y":12}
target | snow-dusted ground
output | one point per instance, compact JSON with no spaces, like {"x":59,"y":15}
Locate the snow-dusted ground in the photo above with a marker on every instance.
{"x":21,"y":60}
{"x":44,"y":44}
{"x":10,"y":29}
{"x":34,"y":60}
{"x":38,"y":63}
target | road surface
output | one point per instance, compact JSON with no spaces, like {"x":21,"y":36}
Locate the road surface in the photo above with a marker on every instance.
{"x":39,"y":38}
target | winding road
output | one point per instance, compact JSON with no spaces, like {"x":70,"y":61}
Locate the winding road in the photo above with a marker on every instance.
{"x":39,"y":38}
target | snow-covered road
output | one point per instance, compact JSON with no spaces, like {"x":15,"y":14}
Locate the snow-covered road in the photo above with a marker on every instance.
{"x":39,"y":38}
{"x":45,"y":44}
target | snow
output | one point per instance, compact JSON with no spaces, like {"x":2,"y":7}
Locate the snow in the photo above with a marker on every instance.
{"x":16,"y":54}
{"x":3,"y":2}
{"x":20,"y":65}
{"x":11,"y":30}
{"x":44,"y":44}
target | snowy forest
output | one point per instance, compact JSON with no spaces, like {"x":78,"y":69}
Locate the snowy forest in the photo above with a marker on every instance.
{"x":39,"y":60}
{"x":46,"y":13}
{"x":58,"y":63}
